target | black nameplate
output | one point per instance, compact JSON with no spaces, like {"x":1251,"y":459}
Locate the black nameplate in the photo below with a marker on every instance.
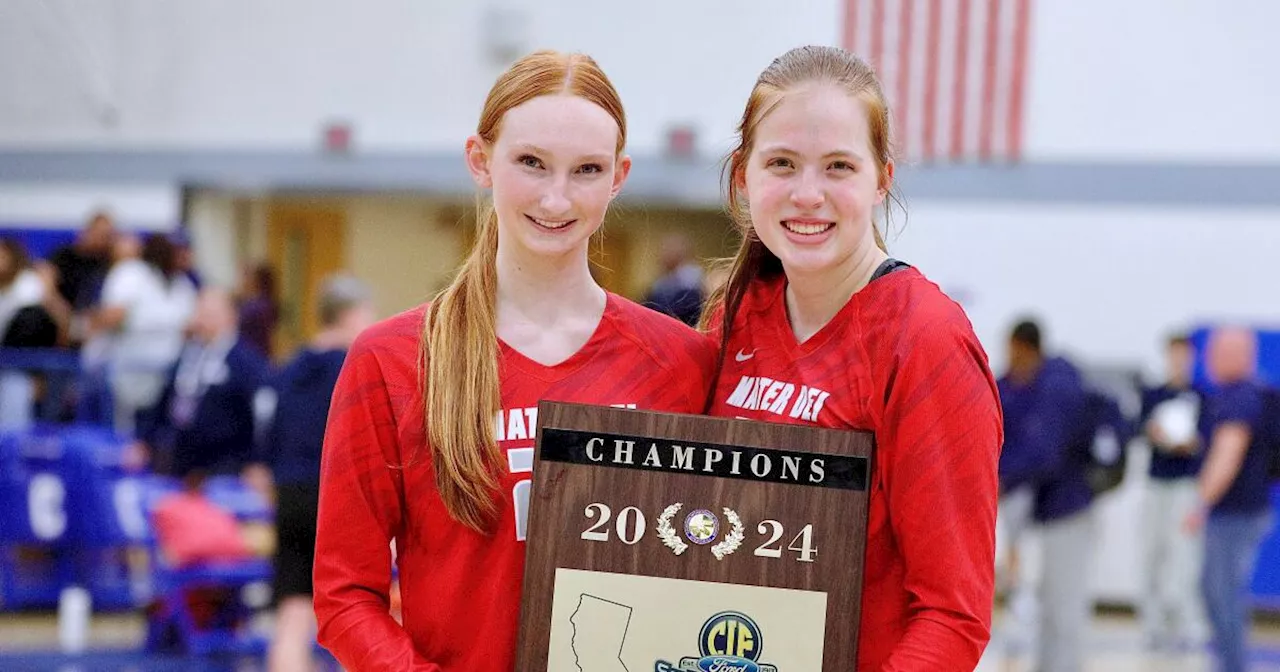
{"x":842,"y":472}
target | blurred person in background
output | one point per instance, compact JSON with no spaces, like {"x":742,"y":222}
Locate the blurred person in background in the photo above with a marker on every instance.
{"x":1170,"y":608}
{"x":27,"y":286}
{"x":146,"y":305}
{"x":259,"y":307}
{"x":32,"y":315}
{"x":1044,"y":401}
{"x":1234,"y":508}
{"x":679,"y":291}
{"x":93,"y":387}
{"x":208,"y":413}
{"x":192,"y":529}
{"x":125,"y":246}
{"x":289,"y":455}
{"x":814,"y":299}
{"x":82,"y":264}
{"x":430,"y":437}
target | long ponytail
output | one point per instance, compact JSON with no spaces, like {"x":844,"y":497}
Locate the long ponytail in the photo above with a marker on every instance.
{"x":460,"y":348}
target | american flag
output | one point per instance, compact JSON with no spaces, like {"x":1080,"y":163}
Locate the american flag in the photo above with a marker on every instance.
{"x":954,"y":72}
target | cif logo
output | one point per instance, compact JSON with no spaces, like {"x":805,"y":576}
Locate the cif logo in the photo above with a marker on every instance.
{"x":730,"y":633}
{"x":728,"y":642}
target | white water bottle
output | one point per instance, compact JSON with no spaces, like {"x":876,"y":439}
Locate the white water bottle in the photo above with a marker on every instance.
{"x":74,"y":608}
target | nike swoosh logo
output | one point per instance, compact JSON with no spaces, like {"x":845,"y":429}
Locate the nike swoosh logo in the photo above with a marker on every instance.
{"x":741,"y":357}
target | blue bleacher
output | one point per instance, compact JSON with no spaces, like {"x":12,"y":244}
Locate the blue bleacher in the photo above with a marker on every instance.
{"x":35,"y":547}
{"x":74,"y":515}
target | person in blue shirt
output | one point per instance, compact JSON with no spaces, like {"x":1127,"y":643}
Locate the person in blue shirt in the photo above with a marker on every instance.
{"x":1170,"y":609}
{"x":1234,"y":509}
{"x":289,"y":454}
{"x":1043,"y":400}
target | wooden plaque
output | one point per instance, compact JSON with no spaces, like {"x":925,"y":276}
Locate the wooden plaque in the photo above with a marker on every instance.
{"x":669,"y":542}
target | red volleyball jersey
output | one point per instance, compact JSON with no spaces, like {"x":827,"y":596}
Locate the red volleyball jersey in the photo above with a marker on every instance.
{"x":901,"y":360}
{"x":460,"y":589}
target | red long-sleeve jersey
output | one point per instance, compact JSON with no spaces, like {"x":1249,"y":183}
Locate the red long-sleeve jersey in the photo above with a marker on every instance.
{"x":900,"y":359}
{"x":460,"y":589}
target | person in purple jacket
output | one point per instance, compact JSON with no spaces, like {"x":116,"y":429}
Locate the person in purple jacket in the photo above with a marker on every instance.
{"x":1043,"y":399}
{"x":1234,"y":511}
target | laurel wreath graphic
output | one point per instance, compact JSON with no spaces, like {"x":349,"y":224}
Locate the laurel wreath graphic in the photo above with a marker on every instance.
{"x":732,"y":540}
{"x":667,"y":533}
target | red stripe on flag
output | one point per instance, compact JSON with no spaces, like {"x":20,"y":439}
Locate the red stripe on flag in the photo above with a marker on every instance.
{"x":987,"y":120}
{"x":877,"y":35}
{"x":903,"y":103}
{"x":1021,"y":21}
{"x":851,"y":25}
{"x":958,"y":91}
{"x":932,"y":40}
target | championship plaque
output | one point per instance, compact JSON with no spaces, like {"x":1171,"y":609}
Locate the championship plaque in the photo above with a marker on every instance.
{"x":670,"y":542}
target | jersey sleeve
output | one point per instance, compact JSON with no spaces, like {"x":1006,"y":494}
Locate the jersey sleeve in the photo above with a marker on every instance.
{"x":939,"y":448}
{"x":360,"y":514}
